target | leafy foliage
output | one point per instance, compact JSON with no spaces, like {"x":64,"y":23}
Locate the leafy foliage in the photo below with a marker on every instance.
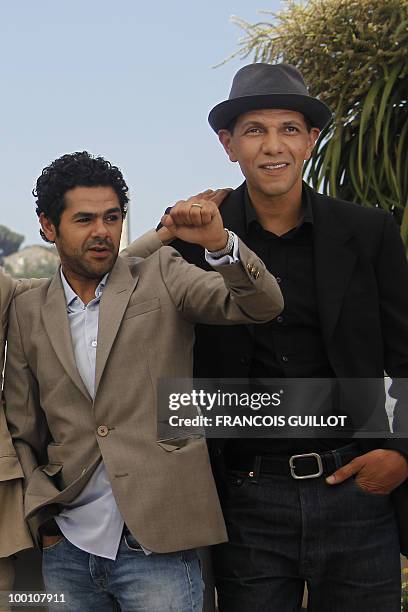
{"x":353,"y":55}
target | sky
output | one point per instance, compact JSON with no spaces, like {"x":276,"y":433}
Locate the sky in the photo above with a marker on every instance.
{"x":131,"y":81}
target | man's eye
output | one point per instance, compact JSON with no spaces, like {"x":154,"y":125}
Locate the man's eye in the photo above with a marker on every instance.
{"x":253,"y":130}
{"x":83,"y":220}
{"x":112,"y":218}
{"x":291,"y":129}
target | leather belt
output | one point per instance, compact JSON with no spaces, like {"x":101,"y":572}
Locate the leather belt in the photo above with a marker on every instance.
{"x":302,"y":466}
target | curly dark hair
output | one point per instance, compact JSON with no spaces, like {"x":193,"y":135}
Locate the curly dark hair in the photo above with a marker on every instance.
{"x":78,"y":169}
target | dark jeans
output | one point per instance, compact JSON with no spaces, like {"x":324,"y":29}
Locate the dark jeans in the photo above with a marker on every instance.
{"x":137,"y":582}
{"x":340,"y":539}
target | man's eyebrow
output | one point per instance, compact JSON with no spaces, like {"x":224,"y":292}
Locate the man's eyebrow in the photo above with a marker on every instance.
{"x":292,"y":122}
{"x":110,"y":211}
{"x":252,"y":123}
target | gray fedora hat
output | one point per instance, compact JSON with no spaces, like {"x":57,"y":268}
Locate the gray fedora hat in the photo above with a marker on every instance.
{"x":260,"y":86}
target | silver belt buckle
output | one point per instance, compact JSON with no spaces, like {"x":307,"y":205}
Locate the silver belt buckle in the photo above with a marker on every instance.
{"x":315,"y":475}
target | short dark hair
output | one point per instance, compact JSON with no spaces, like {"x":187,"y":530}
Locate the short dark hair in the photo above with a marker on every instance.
{"x":231,"y":126}
{"x":72,"y":170}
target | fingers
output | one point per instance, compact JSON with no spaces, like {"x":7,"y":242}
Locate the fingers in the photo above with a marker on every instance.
{"x":345,"y":472}
{"x":216,"y":196}
{"x":211,"y":194}
{"x":203,"y":195}
{"x":168,"y":222}
{"x":192,"y":212}
{"x":195,"y":213}
{"x":219,"y":195}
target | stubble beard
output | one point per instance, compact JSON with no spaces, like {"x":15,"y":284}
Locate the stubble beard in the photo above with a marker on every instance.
{"x":78,"y":265}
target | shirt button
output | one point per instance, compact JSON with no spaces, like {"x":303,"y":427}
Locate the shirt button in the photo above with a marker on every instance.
{"x":279,"y":319}
{"x":94,"y":343}
{"x":278,"y":280}
{"x":285,"y":358}
{"x":102,"y":430}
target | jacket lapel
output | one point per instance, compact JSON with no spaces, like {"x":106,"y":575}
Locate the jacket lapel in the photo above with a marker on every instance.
{"x":55,"y":320}
{"x":334,"y":261}
{"x":233,"y":212}
{"x":114,"y":301}
{"x":233,"y":216}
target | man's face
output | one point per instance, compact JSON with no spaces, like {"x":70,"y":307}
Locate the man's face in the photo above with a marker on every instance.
{"x":88,"y":236}
{"x":270,"y":146}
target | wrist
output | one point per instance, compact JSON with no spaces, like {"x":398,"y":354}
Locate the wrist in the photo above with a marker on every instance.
{"x":227,"y":250}
{"x":217,"y":245}
{"x":165,"y":236}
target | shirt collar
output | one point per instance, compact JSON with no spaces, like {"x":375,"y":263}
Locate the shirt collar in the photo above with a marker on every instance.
{"x":251,"y":216}
{"x":71,"y":296}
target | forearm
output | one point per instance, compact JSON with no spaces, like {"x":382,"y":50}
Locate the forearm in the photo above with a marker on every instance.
{"x":242,"y":292}
{"x":148,"y":243}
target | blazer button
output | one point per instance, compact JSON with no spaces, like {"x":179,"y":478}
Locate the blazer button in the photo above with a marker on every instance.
{"x":102,"y":431}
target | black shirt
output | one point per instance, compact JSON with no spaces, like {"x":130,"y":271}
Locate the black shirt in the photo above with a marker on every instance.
{"x":290,"y":346}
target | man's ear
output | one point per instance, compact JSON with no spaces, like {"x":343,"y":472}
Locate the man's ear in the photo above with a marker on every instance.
{"x":313,"y":136}
{"x":49,"y":229}
{"x":225,"y":138}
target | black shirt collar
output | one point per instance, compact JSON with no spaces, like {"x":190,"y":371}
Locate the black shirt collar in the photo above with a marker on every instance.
{"x":251,"y":216}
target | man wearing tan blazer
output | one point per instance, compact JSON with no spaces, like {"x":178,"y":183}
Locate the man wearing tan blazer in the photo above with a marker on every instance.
{"x":81,"y":405}
{"x":14,"y":535}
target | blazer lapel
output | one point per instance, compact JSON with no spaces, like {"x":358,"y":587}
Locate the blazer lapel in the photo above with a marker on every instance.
{"x":55,"y":320}
{"x":334,"y":262}
{"x":114,"y":301}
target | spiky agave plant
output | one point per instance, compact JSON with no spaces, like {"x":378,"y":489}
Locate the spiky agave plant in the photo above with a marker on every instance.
{"x":353,"y":55}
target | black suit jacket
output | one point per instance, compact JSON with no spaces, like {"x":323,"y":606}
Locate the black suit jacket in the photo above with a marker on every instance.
{"x":361,"y":276}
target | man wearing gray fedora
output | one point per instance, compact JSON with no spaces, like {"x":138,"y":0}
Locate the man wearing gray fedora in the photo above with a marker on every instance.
{"x":321,"y":511}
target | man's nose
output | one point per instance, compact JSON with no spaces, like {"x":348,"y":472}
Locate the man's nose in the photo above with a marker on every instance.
{"x":272,"y":143}
{"x":99,"y":228}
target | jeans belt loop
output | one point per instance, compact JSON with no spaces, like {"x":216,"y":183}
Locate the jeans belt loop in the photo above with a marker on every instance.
{"x":292,"y":466}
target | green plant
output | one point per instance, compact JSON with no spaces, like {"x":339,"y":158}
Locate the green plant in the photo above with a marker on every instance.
{"x":404,"y":596}
{"x":353,"y":55}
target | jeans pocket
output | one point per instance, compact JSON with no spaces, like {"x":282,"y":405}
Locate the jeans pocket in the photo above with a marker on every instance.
{"x":54,"y":545}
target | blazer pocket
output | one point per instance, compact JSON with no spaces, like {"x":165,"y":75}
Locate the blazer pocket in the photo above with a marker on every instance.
{"x":142,"y":307}
{"x":172,"y":444}
{"x":52,"y":469}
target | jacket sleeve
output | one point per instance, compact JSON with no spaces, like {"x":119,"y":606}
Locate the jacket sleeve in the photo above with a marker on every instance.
{"x":25,"y":418}
{"x":242,"y":292}
{"x":392,"y":278}
{"x":145,"y":245}
{"x":7,"y":288}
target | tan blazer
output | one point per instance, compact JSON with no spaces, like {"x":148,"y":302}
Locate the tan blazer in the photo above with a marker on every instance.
{"x":14,"y":535}
{"x":165,"y":491}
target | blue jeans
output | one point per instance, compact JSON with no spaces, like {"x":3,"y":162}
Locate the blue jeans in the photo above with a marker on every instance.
{"x":340,"y":540}
{"x":134,"y":582}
